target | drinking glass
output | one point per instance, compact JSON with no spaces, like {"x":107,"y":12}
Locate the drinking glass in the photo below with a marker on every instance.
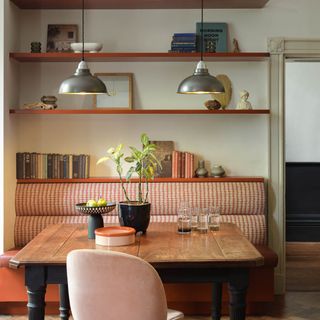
{"x":203,"y":220}
{"x":184,"y":218}
{"x":214,"y":218}
{"x":194,"y":219}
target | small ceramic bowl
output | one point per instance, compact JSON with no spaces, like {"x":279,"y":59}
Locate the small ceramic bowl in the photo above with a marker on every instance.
{"x":88,"y":47}
{"x":115,"y":236}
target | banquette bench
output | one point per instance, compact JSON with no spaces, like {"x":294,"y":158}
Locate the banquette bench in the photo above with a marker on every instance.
{"x":242,"y":201}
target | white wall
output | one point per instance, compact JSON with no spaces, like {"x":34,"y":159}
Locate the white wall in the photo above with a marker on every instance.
{"x":240,"y":143}
{"x":302,"y":112}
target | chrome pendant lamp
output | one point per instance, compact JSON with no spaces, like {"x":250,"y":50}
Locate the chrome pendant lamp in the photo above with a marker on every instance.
{"x":201,"y":82}
{"x":83,"y":82}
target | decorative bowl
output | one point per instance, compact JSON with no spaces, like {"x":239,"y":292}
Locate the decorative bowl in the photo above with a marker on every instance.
{"x":82,"y":208}
{"x":88,"y":46}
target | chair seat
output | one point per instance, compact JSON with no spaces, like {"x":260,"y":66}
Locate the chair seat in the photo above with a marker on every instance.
{"x":174,"y":314}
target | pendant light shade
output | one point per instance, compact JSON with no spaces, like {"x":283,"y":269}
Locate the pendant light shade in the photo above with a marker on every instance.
{"x":201,"y":82}
{"x":83,"y":82}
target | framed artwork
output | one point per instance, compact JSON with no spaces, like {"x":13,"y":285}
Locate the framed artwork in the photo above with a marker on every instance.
{"x":214,"y":37}
{"x":60,"y":37}
{"x":164,"y":155}
{"x":119,"y":87}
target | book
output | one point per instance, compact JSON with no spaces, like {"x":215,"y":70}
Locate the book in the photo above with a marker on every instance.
{"x":164,"y":155}
{"x":27,"y":165}
{"x":19,"y":165}
{"x":214,"y":36}
{"x":75,"y":166}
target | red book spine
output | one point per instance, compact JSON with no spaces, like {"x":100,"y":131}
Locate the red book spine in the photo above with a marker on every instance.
{"x":179,"y":165}
{"x":191,"y":165}
{"x":174,"y":164}
{"x":183,"y":164}
{"x":187,"y":166}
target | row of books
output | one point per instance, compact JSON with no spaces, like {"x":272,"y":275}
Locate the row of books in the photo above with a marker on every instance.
{"x":32,"y":165}
{"x":182,"y":164}
{"x":184,"y":42}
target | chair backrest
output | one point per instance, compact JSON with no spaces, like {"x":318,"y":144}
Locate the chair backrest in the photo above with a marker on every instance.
{"x":106,"y":285}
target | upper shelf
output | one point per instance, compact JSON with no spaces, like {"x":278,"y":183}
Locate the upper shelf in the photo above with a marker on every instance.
{"x":139,"y":4}
{"x":137,"y":56}
{"x":139,"y":111}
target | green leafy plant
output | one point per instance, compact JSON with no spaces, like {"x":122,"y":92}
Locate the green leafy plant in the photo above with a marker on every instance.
{"x":143,"y":162}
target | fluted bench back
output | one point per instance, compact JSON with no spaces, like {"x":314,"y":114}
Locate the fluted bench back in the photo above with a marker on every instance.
{"x":41,"y":204}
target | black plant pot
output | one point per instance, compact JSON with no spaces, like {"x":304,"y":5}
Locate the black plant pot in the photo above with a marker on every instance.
{"x":135,"y":215}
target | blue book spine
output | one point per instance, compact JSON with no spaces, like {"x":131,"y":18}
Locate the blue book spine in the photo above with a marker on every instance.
{"x":184,"y":34}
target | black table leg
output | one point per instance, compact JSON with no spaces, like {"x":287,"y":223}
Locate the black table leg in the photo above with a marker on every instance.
{"x":36,"y":304}
{"x":238,"y":285}
{"x":35,"y":279}
{"x":216,"y":300}
{"x":64,"y":302}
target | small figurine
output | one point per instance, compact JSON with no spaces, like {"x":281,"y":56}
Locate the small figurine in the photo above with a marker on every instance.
{"x":47,"y":103}
{"x":236,"y":46}
{"x":212,"y":104}
{"x":243,"y":104}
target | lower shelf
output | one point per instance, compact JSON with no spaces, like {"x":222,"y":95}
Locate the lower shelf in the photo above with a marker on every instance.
{"x":138,"y":111}
{"x":97,"y":180}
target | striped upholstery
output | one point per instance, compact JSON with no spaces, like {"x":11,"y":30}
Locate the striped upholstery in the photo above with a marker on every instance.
{"x":41,"y":204}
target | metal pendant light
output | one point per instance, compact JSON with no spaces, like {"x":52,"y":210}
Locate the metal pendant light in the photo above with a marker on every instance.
{"x":201,"y":82}
{"x":83,"y":82}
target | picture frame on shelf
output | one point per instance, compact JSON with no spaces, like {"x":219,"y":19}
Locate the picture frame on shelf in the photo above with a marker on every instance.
{"x":120,"y":91}
{"x":215,"y":36}
{"x":60,"y":37}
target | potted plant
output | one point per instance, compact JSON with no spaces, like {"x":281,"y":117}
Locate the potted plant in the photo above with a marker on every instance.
{"x":143,"y":163}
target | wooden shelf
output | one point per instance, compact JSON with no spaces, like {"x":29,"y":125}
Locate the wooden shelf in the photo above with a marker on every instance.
{"x":138,"y":4}
{"x":146,"y":112}
{"x":97,"y":180}
{"x":137,"y":56}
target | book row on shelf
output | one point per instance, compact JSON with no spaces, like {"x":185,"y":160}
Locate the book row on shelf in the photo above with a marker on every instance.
{"x":32,"y":165}
{"x":184,"y":42}
{"x":182,"y":164}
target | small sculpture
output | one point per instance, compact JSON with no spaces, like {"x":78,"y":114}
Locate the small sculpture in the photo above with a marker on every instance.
{"x":47,"y":103}
{"x":243,"y":104}
{"x":212,"y":104}
{"x":35,"y":47}
{"x":236,"y":46}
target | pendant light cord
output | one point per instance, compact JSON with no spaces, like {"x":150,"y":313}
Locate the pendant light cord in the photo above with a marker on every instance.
{"x":202,"y":38}
{"x":82,"y":30}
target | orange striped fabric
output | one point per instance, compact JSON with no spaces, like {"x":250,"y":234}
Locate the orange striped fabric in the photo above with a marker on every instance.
{"x":41,"y":204}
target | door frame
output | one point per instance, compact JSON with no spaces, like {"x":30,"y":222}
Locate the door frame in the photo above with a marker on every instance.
{"x":281,"y":49}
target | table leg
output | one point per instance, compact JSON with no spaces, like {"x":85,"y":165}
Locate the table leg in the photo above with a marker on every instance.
{"x":36,"y":304}
{"x":237,"y":291}
{"x":64,"y":302}
{"x":216,"y":300}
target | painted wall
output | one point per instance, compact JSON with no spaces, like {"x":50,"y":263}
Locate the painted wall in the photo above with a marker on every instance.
{"x":240,"y":143}
{"x":302,"y":112}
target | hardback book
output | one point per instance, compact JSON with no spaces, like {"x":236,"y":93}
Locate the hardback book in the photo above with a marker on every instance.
{"x":19,"y":165}
{"x":50,"y":166}
{"x":75,"y":166}
{"x":164,"y":155}
{"x":214,"y":36}
{"x":27,"y":165}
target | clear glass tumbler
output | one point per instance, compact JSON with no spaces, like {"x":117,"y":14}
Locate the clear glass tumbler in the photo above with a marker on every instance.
{"x":214,"y":218}
{"x":184,"y":218}
{"x":203,"y":220}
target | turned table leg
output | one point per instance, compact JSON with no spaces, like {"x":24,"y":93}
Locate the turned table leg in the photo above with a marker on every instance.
{"x":216,"y":300}
{"x":64,"y":302}
{"x":238,"y":285}
{"x":36,"y":304}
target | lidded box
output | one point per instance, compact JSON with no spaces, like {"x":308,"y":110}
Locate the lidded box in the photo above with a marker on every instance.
{"x":115,"y":236}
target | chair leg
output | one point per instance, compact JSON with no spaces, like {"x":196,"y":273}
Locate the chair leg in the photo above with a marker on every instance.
{"x":216,"y":300}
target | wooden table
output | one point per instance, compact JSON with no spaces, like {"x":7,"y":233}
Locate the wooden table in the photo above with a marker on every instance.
{"x":217,"y":257}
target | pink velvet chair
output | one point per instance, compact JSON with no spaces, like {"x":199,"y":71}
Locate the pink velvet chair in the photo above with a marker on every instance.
{"x":107,"y":285}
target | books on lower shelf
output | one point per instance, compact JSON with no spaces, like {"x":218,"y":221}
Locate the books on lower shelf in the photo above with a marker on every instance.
{"x":182,"y":164}
{"x":32,"y":165}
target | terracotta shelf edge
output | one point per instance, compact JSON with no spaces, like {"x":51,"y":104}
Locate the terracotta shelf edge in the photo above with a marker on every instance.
{"x":116,"y":180}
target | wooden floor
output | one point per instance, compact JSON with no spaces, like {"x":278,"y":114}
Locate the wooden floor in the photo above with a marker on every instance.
{"x":302,"y":300}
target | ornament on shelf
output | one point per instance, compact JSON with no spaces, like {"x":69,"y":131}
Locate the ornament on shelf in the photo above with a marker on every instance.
{"x":201,"y":171}
{"x":47,"y":103}
{"x":225,"y":97}
{"x":236,"y":48}
{"x":243,"y":104}
{"x":35,"y":47}
{"x":212,"y":104}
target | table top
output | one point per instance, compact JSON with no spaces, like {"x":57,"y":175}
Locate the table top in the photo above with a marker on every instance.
{"x":161,"y":246}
